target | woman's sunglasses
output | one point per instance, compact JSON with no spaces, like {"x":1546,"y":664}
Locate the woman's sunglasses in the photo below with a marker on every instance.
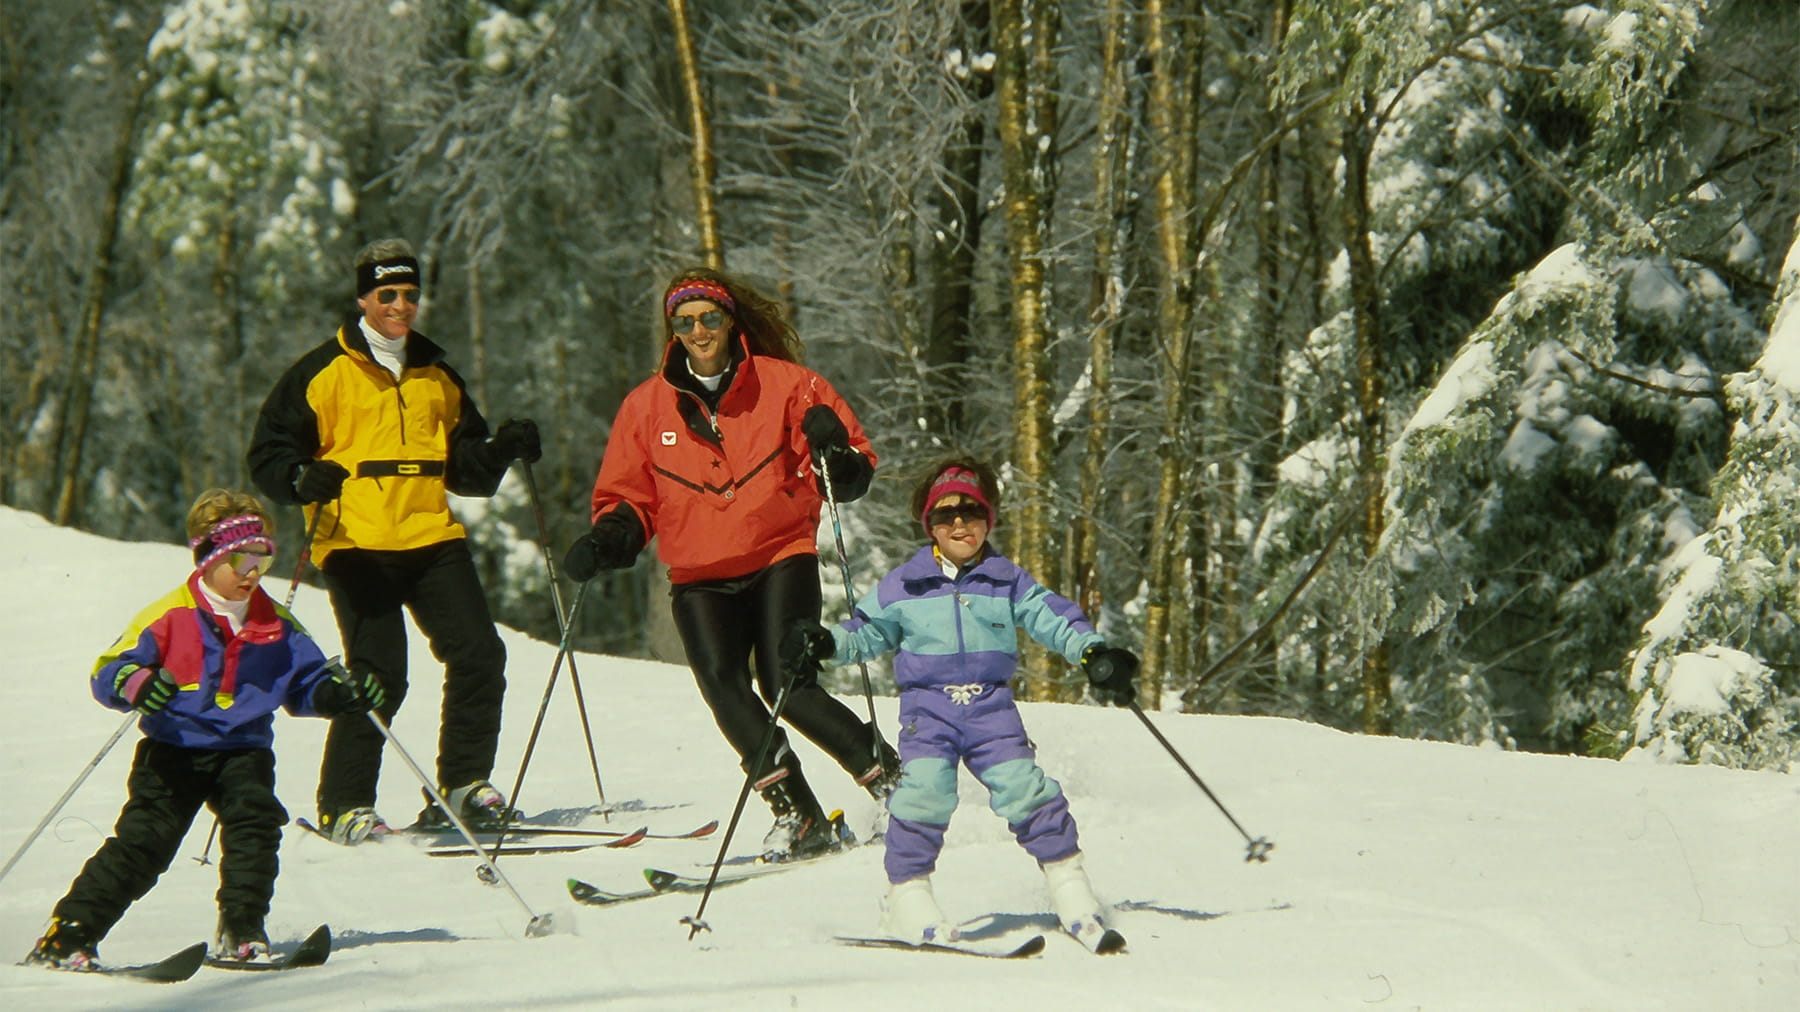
{"x":388,"y":295}
{"x":712,"y":319}
{"x":947,"y":516}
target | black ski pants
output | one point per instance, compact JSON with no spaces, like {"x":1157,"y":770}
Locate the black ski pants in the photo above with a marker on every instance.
{"x":724,"y":624}
{"x":439,"y":586}
{"x":167,"y":786}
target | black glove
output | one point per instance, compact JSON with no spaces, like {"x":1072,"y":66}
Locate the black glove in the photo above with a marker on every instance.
{"x":320,"y":481}
{"x":804,"y":649}
{"x":151,"y":693}
{"x":613,"y":543}
{"x":347,"y":692}
{"x":848,"y":470}
{"x":1112,"y":671}
{"x":823,"y":429}
{"x":517,"y":439}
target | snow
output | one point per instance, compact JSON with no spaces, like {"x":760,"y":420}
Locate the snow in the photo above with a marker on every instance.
{"x":1406,"y":873}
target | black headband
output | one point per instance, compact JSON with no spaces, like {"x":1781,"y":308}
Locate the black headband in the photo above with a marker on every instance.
{"x":392,"y":271}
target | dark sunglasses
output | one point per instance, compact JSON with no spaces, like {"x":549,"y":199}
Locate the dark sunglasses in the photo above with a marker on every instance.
{"x":947,"y":516}
{"x":712,"y":319}
{"x":388,"y":295}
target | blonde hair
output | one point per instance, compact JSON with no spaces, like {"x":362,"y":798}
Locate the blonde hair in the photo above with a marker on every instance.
{"x":216,"y":504}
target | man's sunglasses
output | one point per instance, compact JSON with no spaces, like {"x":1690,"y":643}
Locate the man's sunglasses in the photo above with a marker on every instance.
{"x":388,"y":295}
{"x":245,"y":563}
{"x":947,"y":516}
{"x":712,"y":319}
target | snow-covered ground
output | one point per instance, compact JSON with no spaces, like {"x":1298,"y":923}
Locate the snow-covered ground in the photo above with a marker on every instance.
{"x":1406,"y":874}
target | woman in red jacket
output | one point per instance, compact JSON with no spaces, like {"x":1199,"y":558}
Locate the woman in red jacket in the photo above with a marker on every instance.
{"x":722,"y":457}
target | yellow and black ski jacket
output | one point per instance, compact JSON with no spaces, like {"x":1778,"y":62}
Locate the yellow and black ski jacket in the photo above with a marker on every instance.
{"x":405,"y":443}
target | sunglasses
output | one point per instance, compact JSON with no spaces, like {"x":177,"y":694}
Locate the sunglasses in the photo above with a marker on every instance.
{"x":388,"y":295}
{"x":712,"y":319}
{"x":246,"y":563}
{"x":947,"y":516}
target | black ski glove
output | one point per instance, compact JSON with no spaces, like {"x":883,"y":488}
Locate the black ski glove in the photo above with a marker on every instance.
{"x":516,"y":439}
{"x":848,"y":470}
{"x":320,"y":481}
{"x":1112,"y":671}
{"x":613,"y":543}
{"x":346,"y":692}
{"x":146,"y":690}
{"x":804,"y":649}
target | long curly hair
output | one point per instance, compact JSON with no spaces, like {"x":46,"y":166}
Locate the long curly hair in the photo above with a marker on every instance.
{"x":759,"y":318}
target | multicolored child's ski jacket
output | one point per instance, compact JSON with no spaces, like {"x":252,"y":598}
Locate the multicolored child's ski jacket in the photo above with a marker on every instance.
{"x":228,"y":685}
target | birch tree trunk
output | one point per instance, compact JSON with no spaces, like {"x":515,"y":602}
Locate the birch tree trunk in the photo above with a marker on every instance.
{"x":703,"y":166}
{"x":1172,"y":179}
{"x":1025,"y":36}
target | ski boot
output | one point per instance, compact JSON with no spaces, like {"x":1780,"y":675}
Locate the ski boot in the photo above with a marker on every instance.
{"x":66,"y":945}
{"x":910,"y":913}
{"x":801,"y":828}
{"x":480,"y":805}
{"x":1073,"y":900}
{"x":241,"y":937}
{"x":352,"y":825}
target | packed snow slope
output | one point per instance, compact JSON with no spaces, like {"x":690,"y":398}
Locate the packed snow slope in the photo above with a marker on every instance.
{"x":1406,"y":874}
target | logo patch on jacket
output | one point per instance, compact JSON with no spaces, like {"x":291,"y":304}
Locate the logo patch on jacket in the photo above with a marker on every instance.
{"x":668,"y":437}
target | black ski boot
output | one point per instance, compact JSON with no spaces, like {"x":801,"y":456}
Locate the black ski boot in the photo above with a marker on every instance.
{"x":66,"y":945}
{"x":881,"y":779}
{"x":241,"y":937}
{"x":801,"y":827}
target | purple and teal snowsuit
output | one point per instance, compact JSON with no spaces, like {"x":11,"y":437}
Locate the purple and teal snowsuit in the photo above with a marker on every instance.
{"x":955,"y":650}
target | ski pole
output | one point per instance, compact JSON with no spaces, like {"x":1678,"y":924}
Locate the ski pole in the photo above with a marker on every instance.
{"x":537,"y":725}
{"x":1259,"y":847}
{"x":31,"y":838}
{"x":837,"y":530}
{"x":694,"y":923}
{"x":540,"y":924}
{"x":288,"y":605}
{"x":566,"y":620}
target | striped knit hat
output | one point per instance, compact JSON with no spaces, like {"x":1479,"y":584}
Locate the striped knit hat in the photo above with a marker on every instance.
{"x":229,"y":535}
{"x":954,"y":481}
{"x":698,"y":288}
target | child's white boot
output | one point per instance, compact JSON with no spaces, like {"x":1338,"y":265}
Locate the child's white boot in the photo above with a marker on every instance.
{"x":911,"y":914}
{"x":1073,"y":899}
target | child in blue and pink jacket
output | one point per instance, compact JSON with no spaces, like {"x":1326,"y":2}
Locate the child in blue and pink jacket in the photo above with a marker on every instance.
{"x":950,"y":616}
{"x":206,"y":665}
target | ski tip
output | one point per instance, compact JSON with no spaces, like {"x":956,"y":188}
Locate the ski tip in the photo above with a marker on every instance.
{"x":633,"y":837}
{"x":706,"y":830}
{"x":1110,"y":943}
{"x":660,"y":879}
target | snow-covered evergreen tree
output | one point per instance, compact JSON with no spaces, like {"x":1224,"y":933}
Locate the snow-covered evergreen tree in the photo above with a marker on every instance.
{"x":1715,"y":674}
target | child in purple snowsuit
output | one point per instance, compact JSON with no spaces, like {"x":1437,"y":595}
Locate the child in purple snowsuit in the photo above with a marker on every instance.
{"x":950,"y":615}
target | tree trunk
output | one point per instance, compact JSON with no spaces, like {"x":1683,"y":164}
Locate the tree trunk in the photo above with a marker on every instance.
{"x":1113,"y":163}
{"x":74,"y":413}
{"x":1025,"y":35}
{"x":703,"y":166}
{"x":1172,"y":178}
{"x":1365,"y":306}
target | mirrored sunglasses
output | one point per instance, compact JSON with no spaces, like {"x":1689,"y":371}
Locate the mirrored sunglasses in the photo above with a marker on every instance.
{"x":246,"y":563}
{"x":712,"y":319}
{"x":388,"y":295}
{"x":947,"y":516}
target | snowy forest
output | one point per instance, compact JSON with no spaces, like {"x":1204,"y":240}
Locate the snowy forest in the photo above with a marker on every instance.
{"x":1425,"y":368}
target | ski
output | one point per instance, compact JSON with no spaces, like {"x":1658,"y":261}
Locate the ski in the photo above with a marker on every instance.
{"x":1030,"y":947}
{"x":662,"y":883}
{"x":509,"y":849}
{"x":314,"y":951}
{"x":487,"y":836}
{"x":167,"y":970}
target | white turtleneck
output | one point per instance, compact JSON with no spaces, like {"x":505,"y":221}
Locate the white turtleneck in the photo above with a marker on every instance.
{"x":389,"y":351}
{"x":234,"y":611}
{"x":711,"y":383}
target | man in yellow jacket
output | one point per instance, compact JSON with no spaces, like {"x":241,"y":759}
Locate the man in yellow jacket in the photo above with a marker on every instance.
{"x":369,"y":431}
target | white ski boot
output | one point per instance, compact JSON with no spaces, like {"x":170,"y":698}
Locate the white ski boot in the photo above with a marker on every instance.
{"x":1073,"y":900}
{"x":911,"y":914}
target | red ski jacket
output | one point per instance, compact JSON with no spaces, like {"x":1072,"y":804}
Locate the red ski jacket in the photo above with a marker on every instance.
{"x":724,"y":492}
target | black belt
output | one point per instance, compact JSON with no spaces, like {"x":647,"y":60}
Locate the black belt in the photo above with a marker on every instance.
{"x":400,"y":469}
